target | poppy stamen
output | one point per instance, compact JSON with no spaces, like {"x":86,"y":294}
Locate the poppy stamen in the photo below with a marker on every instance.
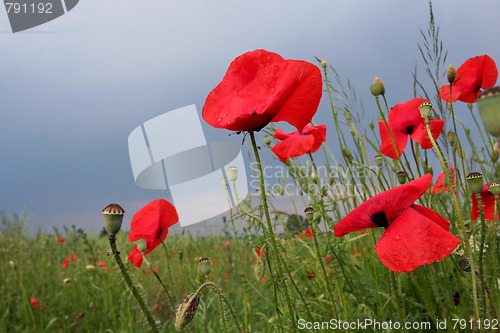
{"x":380,"y":219}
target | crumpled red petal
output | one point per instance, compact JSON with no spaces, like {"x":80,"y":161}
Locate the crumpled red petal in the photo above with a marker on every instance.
{"x":387,"y":147}
{"x":392,"y":202}
{"x":415,"y":238}
{"x":439,"y":188}
{"x":420,"y":133}
{"x":488,"y":201}
{"x":260,"y":87}
{"x":297,"y":144}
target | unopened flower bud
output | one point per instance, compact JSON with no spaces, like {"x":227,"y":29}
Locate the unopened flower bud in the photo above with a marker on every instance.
{"x":323,"y":64}
{"x":475,"y":182}
{"x":494,"y":187}
{"x":425,"y":110}
{"x":181,"y":255}
{"x":451,"y":136}
{"x":496,"y":152}
{"x":267,"y":140}
{"x":186,"y":311}
{"x":379,"y":160}
{"x":348,"y":115}
{"x":372,"y":125}
{"x":232,"y":173}
{"x":113,"y":217}
{"x":379,"y":83}
{"x":346,"y":152}
{"x":280,"y":189}
{"x":450,"y":73}
{"x":488,"y":104}
{"x":309,"y":211}
{"x":205,"y":266}
{"x":259,"y":269}
{"x":401,"y":177}
{"x":141,"y":245}
{"x":331,"y":180}
{"x":314,"y":177}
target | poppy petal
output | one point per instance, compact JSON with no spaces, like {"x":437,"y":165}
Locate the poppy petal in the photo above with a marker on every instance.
{"x":387,"y":147}
{"x":135,"y":257}
{"x":420,"y":133}
{"x":391,"y":203}
{"x":488,"y":203}
{"x":296,"y":144}
{"x":413,"y":239}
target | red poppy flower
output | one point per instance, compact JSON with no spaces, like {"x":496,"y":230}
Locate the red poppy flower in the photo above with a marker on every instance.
{"x":488,"y":201}
{"x":405,"y":119}
{"x":309,"y":233}
{"x":311,"y":274}
{"x":413,"y":236}
{"x":150,"y":223}
{"x":34,"y":302}
{"x":476,"y":73}
{"x":102,"y":264}
{"x":61,"y":240}
{"x":66,"y":261}
{"x":261,"y":87}
{"x":259,"y":254}
{"x":297,"y":144}
{"x":439,"y":187}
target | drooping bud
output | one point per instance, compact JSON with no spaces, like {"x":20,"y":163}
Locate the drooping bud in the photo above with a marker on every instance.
{"x":280,"y":189}
{"x":309,"y":211}
{"x":205,"y":266}
{"x":186,"y":311}
{"x":451,"y":73}
{"x":451,"y":136}
{"x":401,"y":177}
{"x":496,"y":152}
{"x":488,"y":104}
{"x":494,"y":187}
{"x":232,"y":173}
{"x":475,"y":182}
{"x":113,"y":217}
{"x":425,"y":110}
{"x":142,"y":246}
{"x":259,"y":269}
{"x":267,"y":140}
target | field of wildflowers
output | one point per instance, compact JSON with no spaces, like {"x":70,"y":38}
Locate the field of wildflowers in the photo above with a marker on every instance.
{"x":410,"y":246}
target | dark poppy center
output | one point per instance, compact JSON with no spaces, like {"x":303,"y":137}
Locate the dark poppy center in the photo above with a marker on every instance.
{"x":303,"y":133}
{"x":380,"y":219}
{"x":410,"y":129}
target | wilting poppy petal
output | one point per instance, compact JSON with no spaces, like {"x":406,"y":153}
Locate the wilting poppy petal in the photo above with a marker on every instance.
{"x":439,"y":187}
{"x":488,"y":201}
{"x":383,"y":208}
{"x":151,"y":222}
{"x":297,"y":144}
{"x":413,"y":239}
{"x":476,"y":73}
{"x":260,"y":87}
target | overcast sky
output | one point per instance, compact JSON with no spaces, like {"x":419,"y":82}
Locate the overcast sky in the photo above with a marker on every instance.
{"x":73,"y":89}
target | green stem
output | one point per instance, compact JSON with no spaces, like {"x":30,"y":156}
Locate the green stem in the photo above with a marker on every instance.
{"x":159,"y":280}
{"x":131,"y":285}
{"x":270,"y":231}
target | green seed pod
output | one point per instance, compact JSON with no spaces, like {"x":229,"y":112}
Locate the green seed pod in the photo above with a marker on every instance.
{"x":494,"y":188}
{"x":379,"y":160}
{"x":186,"y":311}
{"x":259,"y":269}
{"x":401,"y":177}
{"x":142,"y":246}
{"x":113,"y":217}
{"x":464,"y":264}
{"x":425,"y":110}
{"x":309,"y":211}
{"x":280,"y":189}
{"x":348,"y":115}
{"x":232,"y":173}
{"x":451,"y":136}
{"x":181,"y":255}
{"x":379,"y":82}
{"x":475,"y":182}
{"x":267,"y":140}
{"x":375,"y":89}
{"x":323,"y":64}
{"x":205,"y":266}
{"x":346,"y":152}
{"x":488,"y":104}
{"x":451,"y":73}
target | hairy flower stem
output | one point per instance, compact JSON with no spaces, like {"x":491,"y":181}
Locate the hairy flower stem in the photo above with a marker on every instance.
{"x":458,"y":213}
{"x":131,"y":285}
{"x":481,"y":254}
{"x":159,"y":280}
{"x":222,"y":298}
{"x":277,"y":257}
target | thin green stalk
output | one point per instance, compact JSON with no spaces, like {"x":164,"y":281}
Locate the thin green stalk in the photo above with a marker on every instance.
{"x":131,"y":285}
{"x":168,"y":264}
{"x":481,"y":255}
{"x":277,"y":256}
{"x":397,"y":297}
{"x":159,"y":280}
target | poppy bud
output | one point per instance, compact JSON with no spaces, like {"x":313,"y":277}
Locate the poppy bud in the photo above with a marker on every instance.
{"x":205,"y":266}
{"x":401,"y":177}
{"x":372,"y":125}
{"x":475,"y":182}
{"x":375,"y":89}
{"x":181,"y":255}
{"x":494,"y":188}
{"x":314,"y":177}
{"x":464,"y":264}
{"x":267,"y":140}
{"x":186,"y":311}
{"x":451,"y":136}
{"x":488,"y":104}
{"x":331,"y":180}
{"x":495,"y":153}
{"x":379,"y":160}
{"x":348,"y":115}
{"x":323,"y":64}
{"x":346,"y":152}
{"x":141,"y":245}
{"x":309,"y":211}
{"x":259,"y":269}
{"x":223,"y":181}
{"x":232,"y":173}
{"x":425,"y":110}
{"x":449,"y":106}
{"x":280,"y":189}
{"x":450,"y":73}
{"x":380,"y":85}
{"x":429,"y":170}
{"x":113,"y":217}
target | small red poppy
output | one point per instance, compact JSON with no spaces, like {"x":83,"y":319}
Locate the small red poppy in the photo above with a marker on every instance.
{"x":150,"y":223}
{"x":405,"y":120}
{"x":259,"y":254}
{"x":439,"y":187}
{"x":102,"y":264}
{"x":311,"y":274}
{"x":476,"y":73}
{"x":413,"y":236}
{"x":261,"y":87}
{"x":66,"y":261}
{"x":61,"y":240}
{"x":34,"y":302}
{"x":297,"y":144}
{"x":488,"y":201}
